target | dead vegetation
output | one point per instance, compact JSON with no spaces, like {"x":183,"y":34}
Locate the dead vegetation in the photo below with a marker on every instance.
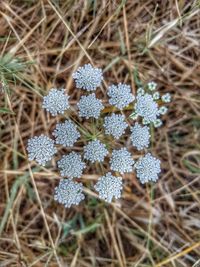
{"x":42,"y":42}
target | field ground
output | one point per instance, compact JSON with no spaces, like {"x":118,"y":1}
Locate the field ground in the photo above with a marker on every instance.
{"x":42,"y":43}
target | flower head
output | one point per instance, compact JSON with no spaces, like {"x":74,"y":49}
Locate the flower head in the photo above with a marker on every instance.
{"x":140,"y":136}
{"x":146,"y":107}
{"x":121,"y":161}
{"x":69,"y":193}
{"x":71,"y":165}
{"x":41,"y":148}
{"x":56,"y":102}
{"x":90,"y":106}
{"x":148,"y":168}
{"x":120,"y":95}
{"x":115,"y":125}
{"x":66,"y":133}
{"x":95,"y":151}
{"x":109,"y":186}
{"x":166,"y":98}
{"x":88,"y":77}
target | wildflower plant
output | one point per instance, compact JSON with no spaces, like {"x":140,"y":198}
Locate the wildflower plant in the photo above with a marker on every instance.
{"x":106,"y":133}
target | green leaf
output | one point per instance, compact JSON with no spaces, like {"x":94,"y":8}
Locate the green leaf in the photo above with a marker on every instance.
{"x":6,"y":111}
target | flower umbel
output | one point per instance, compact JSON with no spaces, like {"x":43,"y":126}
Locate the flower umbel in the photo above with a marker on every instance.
{"x":115,"y":125}
{"x":56,"y":102}
{"x":109,"y":141}
{"x":140,"y":136}
{"x":71,"y":165}
{"x":90,"y":107}
{"x":41,"y":148}
{"x":95,"y":151}
{"x":88,"y":77}
{"x":66,"y":133}
{"x":121,"y":161}
{"x":146,"y":107}
{"x":109,"y":186}
{"x":69,"y":193}
{"x":120,"y":95}
{"x":148,"y":168}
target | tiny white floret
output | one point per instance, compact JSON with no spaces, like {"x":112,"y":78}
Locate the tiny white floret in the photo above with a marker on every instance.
{"x":156,"y":96}
{"x":152,"y":86}
{"x":166,"y":98}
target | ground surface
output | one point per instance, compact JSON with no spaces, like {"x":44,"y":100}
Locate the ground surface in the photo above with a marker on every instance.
{"x":41,"y":44}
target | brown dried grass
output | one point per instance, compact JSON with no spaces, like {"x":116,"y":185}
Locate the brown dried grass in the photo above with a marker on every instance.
{"x":150,"y":226}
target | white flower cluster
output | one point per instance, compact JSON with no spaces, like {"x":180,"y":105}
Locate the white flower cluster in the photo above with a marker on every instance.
{"x":56,"y":102}
{"x":71,"y":165}
{"x":89,"y":106}
{"x":66,"y":133}
{"x":41,"y":148}
{"x":95,"y":151}
{"x":121,"y":161}
{"x":109,"y":186}
{"x":147,"y":107}
{"x":69,"y":193}
{"x":115,"y":125}
{"x":146,"y":110}
{"x":120,"y":95}
{"x":148,"y":168}
{"x":87,"y":77}
{"x":140,"y":136}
